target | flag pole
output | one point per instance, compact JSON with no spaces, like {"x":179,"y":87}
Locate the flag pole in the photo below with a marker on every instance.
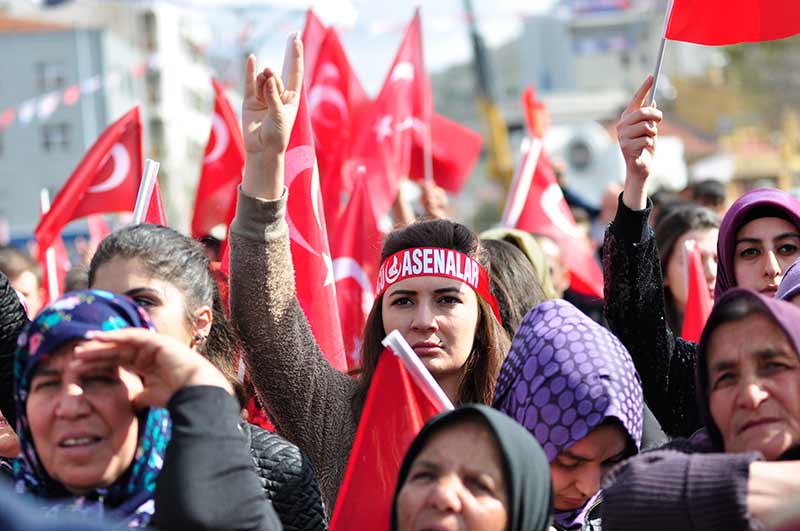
{"x":149,"y":178}
{"x":660,"y":56}
{"x":417,"y":370}
{"x":50,"y":253}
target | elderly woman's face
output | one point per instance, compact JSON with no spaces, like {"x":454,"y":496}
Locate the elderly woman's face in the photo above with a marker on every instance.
{"x":455,"y":483}
{"x":83,"y":424}
{"x":754,"y":386}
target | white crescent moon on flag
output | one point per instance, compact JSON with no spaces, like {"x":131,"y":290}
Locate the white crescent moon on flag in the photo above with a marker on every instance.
{"x":402,"y":71}
{"x":122,"y":165}
{"x":221,"y":139}
{"x":346,"y":267}
{"x":298,"y":160}
{"x":552,"y":199}
{"x":330,"y":94}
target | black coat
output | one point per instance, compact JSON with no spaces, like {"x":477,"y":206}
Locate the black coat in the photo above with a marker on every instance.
{"x":288,"y":479}
{"x":12,"y":321}
{"x":635,"y":312}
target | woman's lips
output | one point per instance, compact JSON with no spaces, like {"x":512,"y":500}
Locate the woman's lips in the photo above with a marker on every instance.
{"x":427,"y":348}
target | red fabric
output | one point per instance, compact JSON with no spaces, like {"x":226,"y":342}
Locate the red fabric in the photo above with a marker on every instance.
{"x":106,"y":180}
{"x":394,"y":412}
{"x":155,"y":210}
{"x":455,"y":150}
{"x":383,"y":145}
{"x":313,"y":35}
{"x":311,"y":254}
{"x":721,"y":22}
{"x":257,"y":416}
{"x":62,"y":265}
{"x":357,"y":255}
{"x":222,"y":168}
{"x":544,"y":211}
{"x":335,"y":101}
{"x":698,"y":302}
{"x":98,"y":230}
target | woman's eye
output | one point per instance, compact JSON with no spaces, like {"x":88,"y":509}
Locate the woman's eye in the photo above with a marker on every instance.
{"x":478,"y":485}
{"x":447,"y":299}
{"x":45,"y":384}
{"x":144,"y":303}
{"x":749,"y":253}
{"x":422,"y":475}
{"x":723,"y":380}
{"x":564,"y":462}
{"x":788,"y":249}
{"x":401,"y":301}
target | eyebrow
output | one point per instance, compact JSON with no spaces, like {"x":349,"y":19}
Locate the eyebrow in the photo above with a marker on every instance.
{"x":776,"y":238}
{"x":439,"y":291}
{"x":139,"y":291}
{"x":762,"y":355}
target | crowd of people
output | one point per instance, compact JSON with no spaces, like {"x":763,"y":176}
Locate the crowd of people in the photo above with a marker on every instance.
{"x":122,"y":404}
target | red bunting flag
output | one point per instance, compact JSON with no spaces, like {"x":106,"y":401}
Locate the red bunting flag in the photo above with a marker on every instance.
{"x":698,"y":301}
{"x":106,"y":180}
{"x":536,"y":204}
{"x":311,"y":254}
{"x":313,"y":35}
{"x":222,"y":168}
{"x":395,"y":410}
{"x":722,"y":22}
{"x":357,"y":253}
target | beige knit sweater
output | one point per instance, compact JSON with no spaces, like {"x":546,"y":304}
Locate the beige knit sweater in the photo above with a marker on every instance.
{"x":308,"y":400}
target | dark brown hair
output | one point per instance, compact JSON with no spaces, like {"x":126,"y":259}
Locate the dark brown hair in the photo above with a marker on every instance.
{"x":490,"y":344}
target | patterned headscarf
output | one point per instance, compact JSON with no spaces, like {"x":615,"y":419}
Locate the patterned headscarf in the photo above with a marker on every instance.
{"x":758,"y":203}
{"x":563,"y":377}
{"x":67,"y":319}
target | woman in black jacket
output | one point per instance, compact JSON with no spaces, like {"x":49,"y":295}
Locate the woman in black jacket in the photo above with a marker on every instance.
{"x":168,"y":275}
{"x":759,"y":238}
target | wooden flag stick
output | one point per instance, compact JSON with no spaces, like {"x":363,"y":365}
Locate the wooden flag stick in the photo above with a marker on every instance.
{"x":660,"y":56}
{"x":146,"y":187}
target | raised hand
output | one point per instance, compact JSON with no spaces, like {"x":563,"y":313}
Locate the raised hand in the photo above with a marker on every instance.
{"x":637,"y":131}
{"x":434,"y":200}
{"x":268,"y":113}
{"x":165,"y":364}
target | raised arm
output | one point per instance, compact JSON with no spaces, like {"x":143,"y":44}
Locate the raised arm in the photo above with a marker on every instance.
{"x":634,"y":294}
{"x":308,"y":399}
{"x":12,"y":321}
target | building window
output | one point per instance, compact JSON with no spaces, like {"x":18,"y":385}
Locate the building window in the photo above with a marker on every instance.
{"x":55,"y":137}
{"x":50,"y":76}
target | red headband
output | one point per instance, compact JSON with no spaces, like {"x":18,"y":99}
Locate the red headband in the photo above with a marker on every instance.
{"x":436,"y":262}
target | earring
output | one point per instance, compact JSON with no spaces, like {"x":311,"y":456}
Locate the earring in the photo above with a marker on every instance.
{"x":199,"y":339}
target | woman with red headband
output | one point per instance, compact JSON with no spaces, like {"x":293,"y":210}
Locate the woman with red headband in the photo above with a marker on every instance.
{"x":432,"y":287}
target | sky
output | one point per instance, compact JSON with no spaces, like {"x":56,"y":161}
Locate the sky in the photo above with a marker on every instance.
{"x":371,"y":30}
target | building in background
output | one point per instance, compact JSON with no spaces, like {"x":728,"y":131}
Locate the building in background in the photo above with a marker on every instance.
{"x":167,"y":42}
{"x":59,"y":89}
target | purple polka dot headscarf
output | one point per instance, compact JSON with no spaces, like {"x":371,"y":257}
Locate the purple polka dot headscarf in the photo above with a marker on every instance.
{"x":566,"y":374}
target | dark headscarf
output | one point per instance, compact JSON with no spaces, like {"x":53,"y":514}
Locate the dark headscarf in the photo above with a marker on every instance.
{"x":728,"y":309}
{"x":790,"y":284}
{"x":563,"y":377}
{"x":67,"y":319}
{"x":758,"y":203}
{"x":530,"y":494}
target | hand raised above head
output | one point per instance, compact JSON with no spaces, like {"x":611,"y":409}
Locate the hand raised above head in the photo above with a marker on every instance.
{"x":637,"y":131}
{"x":269,"y":109}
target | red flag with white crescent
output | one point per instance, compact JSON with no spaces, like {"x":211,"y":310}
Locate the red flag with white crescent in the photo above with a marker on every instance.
{"x":335,"y":101}
{"x":311,"y":254}
{"x":106,"y":180}
{"x":313,"y":35}
{"x":223,"y":163}
{"x":357,"y":254}
{"x":536,"y":204}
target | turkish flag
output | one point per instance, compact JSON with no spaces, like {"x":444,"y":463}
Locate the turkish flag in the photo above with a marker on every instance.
{"x":336,"y":99}
{"x":106,"y":180}
{"x":395,"y":410}
{"x":61,"y":265}
{"x":222,"y":168}
{"x":313,"y":35}
{"x":698,"y":301}
{"x":155,"y":210}
{"x":454,"y":148}
{"x":357,"y":253}
{"x":536,"y":204}
{"x":385,"y":139}
{"x":721,"y":22}
{"x":311,"y":253}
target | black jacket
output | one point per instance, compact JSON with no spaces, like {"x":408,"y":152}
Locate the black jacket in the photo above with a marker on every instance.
{"x":635,"y":312}
{"x":12,"y":321}
{"x":288,"y":479}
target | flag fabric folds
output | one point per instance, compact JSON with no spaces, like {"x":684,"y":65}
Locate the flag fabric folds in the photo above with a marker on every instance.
{"x":722,"y":22}
{"x":106,"y":180}
{"x":698,"y":301}
{"x":223,"y":163}
{"x":395,"y":410}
